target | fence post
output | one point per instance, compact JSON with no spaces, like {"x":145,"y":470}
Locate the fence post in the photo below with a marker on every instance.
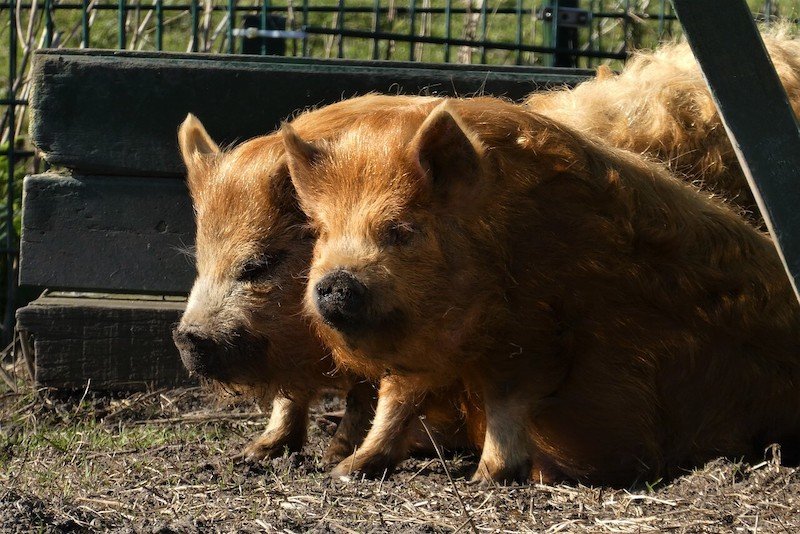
{"x":519,"y":30}
{"x":122,"y":20}
{"x":48,"y":23}
{"x":231,"y":25}
{"x":159,"y":25}
{"x":264,"y":18}
{"x":563,"y":38}
{"x":84,"y":23}
{"x":195,"y":8}
{"x":412,"y":18}
{"x":376,"y":27}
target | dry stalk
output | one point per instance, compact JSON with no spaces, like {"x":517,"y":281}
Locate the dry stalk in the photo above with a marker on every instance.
{"x":472,"y":17}
{"x":421,"y":469}
{"x":424,"y":30}
{"x":391,"y":15}
{"x":7,"y":378}
{"x":447,"y":472}
{"x":218,"y":30}
{"x":27,"y":354}
{"x":205,"y":27}
{"x":202,"y":418}
{"x":140,"y":34}
{"x":330,"y":39}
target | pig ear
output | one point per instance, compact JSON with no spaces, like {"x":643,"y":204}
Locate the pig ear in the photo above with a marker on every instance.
{"x":301,"y":157}
{"x":443,"y":150}
{"x":282,"y":191}
{"x":603,"y":72}
{"x":197,"y":147}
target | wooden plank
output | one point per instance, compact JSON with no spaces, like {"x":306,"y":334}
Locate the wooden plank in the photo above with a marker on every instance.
{"x":92,"y":233}
{"x":755,"y":110}
{"x":117,"y":113}
{"x":120,"y":345}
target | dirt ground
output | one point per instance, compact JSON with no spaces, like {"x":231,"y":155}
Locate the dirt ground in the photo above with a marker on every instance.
{"x":161,"y":462}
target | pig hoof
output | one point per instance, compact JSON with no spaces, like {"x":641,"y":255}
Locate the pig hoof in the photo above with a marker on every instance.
{"x":486,"y":476}
{"x":336,"y":452}
{"x":371,"y":467}
{"x":330,"y":421}
{"x":257,"y":451}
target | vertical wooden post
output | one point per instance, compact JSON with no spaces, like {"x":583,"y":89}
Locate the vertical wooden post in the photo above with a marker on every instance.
{"x":755,"y":111}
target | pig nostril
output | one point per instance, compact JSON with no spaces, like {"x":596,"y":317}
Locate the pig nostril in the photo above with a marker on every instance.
{"x":340,"y":298}
{"x":191,"y":339}
{"x":324,"y":287}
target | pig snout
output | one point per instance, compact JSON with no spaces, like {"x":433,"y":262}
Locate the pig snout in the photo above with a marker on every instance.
{"x":199,"y":352}
{"x":341,"y":300}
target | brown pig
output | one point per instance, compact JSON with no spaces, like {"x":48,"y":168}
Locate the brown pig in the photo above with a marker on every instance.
{"x":243,"y":327}
{"x":615,"y":324}
{"x":659,"y":105}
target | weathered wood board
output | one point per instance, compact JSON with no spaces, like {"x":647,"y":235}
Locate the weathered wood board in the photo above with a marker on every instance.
{"x":112,"y":235}
{"x":117,"y":112}
{"x":755,"y":110}
{"x":111,"y":344}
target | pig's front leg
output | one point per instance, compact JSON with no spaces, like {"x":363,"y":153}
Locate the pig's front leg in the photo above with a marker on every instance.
{"x":507,"y":448}
{"x":359,"y":410}
{"x":286,"y":429}
{"x":387,"y":442}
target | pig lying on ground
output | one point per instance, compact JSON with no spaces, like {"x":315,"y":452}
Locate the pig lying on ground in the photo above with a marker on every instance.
{"x":659,"y":105}
{"x":243,"y":326}
{"x":615,"y":324}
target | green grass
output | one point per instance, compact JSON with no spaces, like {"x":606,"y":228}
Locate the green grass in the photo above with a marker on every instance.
{"x":62,"y":431}
{"x":74,"y":444}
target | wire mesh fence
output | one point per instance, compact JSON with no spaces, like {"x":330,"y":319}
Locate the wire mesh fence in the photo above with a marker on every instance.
{"x":579,"y":33}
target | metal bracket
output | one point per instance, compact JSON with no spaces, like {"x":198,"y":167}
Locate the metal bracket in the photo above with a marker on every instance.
{"x":568,"y":17}
{"x":252,"y":33}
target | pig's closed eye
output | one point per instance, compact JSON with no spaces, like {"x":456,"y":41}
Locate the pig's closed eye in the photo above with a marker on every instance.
{"x":397,"y":234}
{"x":260,"y":267}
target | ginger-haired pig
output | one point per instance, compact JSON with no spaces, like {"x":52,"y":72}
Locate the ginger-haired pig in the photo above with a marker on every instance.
{"x":659,"y":105}
{"x":616,"y":324}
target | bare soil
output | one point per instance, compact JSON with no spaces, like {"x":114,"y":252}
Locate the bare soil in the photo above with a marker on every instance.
{"x":162,"y":462}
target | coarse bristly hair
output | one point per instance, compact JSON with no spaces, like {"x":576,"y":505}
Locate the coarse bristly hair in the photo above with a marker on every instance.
{"x":616,"y":324}
{"x":659,"y":105}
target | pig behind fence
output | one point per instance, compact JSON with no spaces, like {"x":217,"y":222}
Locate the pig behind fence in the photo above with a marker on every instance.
{"x":659,"y":105}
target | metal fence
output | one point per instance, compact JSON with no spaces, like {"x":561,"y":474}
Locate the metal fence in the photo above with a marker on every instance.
{"x":544,"y":32}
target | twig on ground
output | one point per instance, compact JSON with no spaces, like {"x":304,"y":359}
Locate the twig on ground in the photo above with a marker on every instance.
{"x":7,"y":378}
{"x":133,"y":402}
{"x":447,"y":472}
{"x":27,"y":353}
{"x":202,"y":418}
{"x":83,"y":397}
{"x":421,"y":469}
